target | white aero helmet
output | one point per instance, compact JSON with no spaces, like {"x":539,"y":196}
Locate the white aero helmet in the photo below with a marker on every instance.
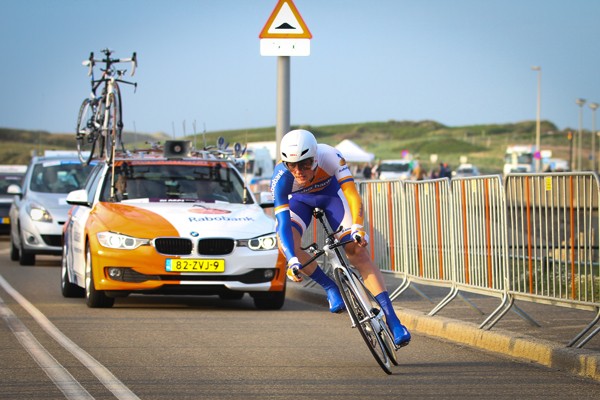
{"x":298,"y":145}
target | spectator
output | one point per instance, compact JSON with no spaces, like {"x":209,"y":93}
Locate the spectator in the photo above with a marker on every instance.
{"x":367,"y":171}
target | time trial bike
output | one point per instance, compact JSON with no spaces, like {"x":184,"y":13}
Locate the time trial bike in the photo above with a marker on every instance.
{"x":100,"y":119}
{"x":363,"y":308}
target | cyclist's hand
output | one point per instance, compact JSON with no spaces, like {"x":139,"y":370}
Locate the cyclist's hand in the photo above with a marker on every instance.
{"x":293,"y":270}
{"x":359,"y":235}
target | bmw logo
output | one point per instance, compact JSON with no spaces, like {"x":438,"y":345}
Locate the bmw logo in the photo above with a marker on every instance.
{"x":194,"y":234}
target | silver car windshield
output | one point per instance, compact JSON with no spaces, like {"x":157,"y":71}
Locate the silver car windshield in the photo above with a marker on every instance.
{"x":58,"y":176}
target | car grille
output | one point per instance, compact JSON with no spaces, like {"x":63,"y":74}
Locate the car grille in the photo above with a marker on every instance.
{"x":173,"y":246}
{"x":215,"y":247}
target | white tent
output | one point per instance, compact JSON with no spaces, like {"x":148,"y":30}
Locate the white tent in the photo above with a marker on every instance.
{"x":353,"y":152}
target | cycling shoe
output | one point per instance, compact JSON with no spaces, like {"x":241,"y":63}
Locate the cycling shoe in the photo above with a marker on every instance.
{"x":336,"y":302}
{"x":401,"y":334}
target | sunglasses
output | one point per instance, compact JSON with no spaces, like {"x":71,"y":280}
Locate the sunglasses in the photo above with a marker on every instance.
{"x":303,"y":165}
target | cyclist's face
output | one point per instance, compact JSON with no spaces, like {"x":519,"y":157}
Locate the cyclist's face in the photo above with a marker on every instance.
{"x":302,"y":171}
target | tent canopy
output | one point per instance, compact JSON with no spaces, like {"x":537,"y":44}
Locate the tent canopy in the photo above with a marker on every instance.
{"x":353,"y":152}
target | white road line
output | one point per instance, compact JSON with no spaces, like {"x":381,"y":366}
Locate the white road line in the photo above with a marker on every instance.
{"x":63,"y":380}
{"x":106,"y":377}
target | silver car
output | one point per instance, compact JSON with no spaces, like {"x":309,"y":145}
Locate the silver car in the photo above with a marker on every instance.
{"x":39,"y":209}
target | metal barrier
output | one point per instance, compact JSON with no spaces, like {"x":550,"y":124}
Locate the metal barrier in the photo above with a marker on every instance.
{"x":535,"y":238}
{"x":553,"y":241}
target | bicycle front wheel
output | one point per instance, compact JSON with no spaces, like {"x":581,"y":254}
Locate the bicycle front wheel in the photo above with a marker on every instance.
{"x":86,"y":132}
{"x":367,"y":323}
{"x":114,"y":124}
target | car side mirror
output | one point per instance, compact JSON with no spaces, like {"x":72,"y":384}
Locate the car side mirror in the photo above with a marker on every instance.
{"x":266,"y":200}
{"x":78,"y":198}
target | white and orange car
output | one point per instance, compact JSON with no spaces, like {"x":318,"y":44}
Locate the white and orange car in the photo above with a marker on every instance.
{"x":170,"y":225}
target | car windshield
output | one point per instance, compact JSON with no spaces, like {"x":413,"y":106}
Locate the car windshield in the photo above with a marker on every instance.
{"x":394,"y":167}
{"x":9,"y":179}
{"x":59,"y":176}
{"x":185,"y":182}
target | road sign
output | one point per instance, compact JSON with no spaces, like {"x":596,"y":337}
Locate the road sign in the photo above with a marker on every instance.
{"x":285,"y":33}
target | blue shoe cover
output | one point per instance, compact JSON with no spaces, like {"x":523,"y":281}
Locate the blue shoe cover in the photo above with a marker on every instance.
{"x":401,"y":334}
{"x":336,"y":302}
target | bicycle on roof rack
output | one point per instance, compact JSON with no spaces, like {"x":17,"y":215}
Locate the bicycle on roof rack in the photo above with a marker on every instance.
{"x":100,"y":119}
{"x":364,"y":310}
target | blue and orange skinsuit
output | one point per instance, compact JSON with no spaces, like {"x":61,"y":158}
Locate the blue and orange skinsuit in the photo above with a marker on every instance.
{"x":332,"y":189}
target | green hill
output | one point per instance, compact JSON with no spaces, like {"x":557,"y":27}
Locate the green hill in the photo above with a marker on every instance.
{"x":482,"y":145}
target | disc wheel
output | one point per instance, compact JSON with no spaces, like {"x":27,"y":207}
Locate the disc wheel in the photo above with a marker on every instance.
{"x":360,"y":316}
{"x":86,"y":132}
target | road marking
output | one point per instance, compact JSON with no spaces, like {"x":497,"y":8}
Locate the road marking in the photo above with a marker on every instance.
{"x":106,"y":377}
{"x":63,"y":380}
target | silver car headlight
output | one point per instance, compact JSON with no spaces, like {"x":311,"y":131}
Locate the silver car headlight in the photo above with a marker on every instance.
{"x":261,"y":243}
{"x":117,"y":241}
{"x":38,"y":213}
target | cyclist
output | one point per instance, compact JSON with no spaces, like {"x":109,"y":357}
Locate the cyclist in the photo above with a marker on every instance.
{"x":315,"y":175}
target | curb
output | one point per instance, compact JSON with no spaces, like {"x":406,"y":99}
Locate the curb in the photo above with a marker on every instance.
{"x":543,"y":352}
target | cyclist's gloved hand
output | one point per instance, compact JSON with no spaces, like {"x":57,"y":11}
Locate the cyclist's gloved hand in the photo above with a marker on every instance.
{"x":293,"y":269}
{"x":359,"y":235}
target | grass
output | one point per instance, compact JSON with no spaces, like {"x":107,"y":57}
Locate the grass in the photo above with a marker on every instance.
{"x":482,"y":145}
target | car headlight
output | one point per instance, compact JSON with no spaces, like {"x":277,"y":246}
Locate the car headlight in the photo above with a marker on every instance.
{"x":117,"y":241}
{"x":38,"y":213}
{"x":267,"y":242}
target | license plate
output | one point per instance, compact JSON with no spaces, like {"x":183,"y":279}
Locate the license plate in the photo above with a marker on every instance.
{"x":5,"y":221}
{"x":195,"y":265}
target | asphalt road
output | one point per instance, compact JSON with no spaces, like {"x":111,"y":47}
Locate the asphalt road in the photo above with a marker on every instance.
{"x":205,"y":348}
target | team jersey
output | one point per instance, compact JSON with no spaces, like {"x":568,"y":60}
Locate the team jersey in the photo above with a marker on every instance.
{"x":331,"y":175}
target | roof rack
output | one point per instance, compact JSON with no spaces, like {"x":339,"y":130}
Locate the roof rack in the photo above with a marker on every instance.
{"x":182,"y":149}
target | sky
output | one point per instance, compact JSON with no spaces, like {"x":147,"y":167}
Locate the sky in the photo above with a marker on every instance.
{"x":457,"y":62}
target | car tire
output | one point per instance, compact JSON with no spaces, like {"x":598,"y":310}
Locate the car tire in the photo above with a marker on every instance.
{"x":94,"y":298}
{"x":269,"y":300}
{"x":14,"y":250}
{"x":67,"y":288}
{"x":25,"y":257}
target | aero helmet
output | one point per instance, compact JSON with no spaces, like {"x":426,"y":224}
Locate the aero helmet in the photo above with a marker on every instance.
{"x":298,"y":145}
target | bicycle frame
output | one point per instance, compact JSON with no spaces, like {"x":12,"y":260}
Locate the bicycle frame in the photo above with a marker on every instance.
{"x":359,"y":301}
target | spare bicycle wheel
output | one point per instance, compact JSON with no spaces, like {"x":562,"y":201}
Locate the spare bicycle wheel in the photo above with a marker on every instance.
{"x":86,"y":132}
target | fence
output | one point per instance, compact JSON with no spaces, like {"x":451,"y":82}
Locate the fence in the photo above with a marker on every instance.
{"x":533,"y":237}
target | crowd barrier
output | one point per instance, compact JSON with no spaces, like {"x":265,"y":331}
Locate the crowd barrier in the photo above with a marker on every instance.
{"x":531,"y":237}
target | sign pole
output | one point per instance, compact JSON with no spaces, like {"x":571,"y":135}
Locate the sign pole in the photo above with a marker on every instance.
{"x":283,"y":101}
{"x":285,"y":34}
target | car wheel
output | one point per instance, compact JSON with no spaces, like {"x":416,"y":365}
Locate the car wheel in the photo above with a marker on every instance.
{"x":94,"y":298}
{"x":26,"y":257}
{"x":14,"y":250}
{"x":67,"y":288}
{"x":269,"y":300}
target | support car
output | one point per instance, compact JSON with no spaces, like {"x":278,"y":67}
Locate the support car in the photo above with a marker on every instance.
{"x":172,"y":222}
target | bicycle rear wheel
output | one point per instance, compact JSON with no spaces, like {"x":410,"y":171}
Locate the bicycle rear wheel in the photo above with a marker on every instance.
{"x":86,"y":133}
{"x":368,"y":326}
{"x":114,"y":125}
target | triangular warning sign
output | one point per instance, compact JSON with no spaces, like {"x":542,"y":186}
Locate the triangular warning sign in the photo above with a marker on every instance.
{"x":285,"y":22}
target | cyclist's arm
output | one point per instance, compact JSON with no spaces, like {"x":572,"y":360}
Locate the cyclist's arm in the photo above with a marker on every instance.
{"x":354,"y":200}
{"x":281,"y":186}
{"x":334,"y":163}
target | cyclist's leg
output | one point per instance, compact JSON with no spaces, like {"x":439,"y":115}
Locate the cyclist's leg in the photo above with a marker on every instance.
{"x":360,"y":258}
{"x":301,"y":215}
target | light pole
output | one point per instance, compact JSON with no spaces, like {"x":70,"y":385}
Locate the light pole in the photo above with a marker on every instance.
{"x":594,"y":107}
{"x":580,"y":103}
{"x":537,"y":119}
